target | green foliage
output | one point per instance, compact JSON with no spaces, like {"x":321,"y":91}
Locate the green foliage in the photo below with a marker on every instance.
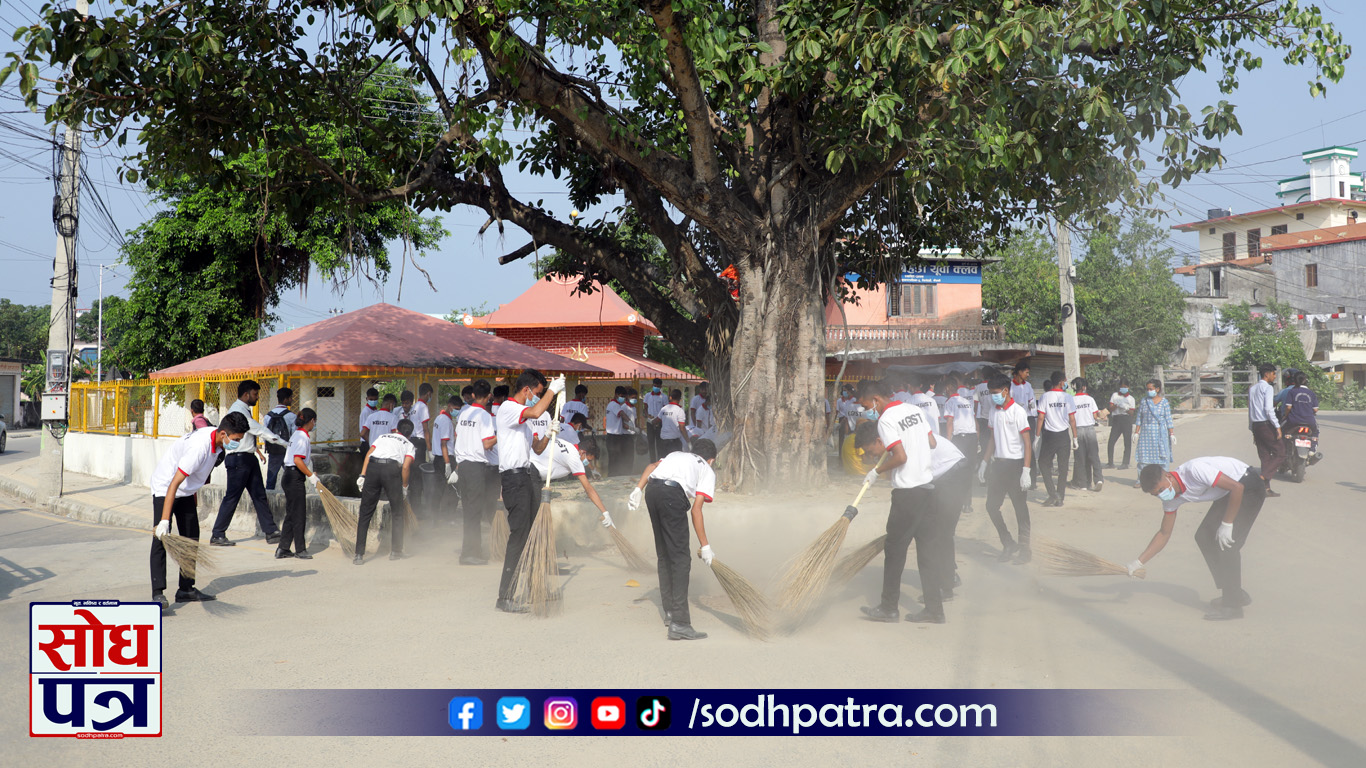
{"x":1265,"y":338}
{"x":660,"y":350}
{"x":23,"y":330}
{"x":1125,"y":295}
{"x":34,"y":380}
{"x":457,"y":315}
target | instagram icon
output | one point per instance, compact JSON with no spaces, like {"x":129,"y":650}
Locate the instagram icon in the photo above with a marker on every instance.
{"x":561,"y":714}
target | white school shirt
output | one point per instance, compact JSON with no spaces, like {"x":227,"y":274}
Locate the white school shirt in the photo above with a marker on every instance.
{"x":927,"y":404}
{"x":1024,"y":395}
{"x":1085,"y":410}
{"x":654,"y":402}
{"x":443,"y":431}
{"x":690,"y":471}
{"x":1009,"y":426}
{"x":1196,"y":479}
{"x":491,"y":455}
{"x":705,"y":423}
{"x":300,"y":444}
{"x":620,"y":418}
{"x":943,"y":457}
{"x":902,"y":396}
{"x":566,"y":461}
{"x":1055,"y":405}
{"x":848,"y":410}
{"x":908,"y":425}
{"x":393,"y":447}
{"x":514,"y":436}
{"x":569,"y":434}
{"x":382,"y":422}
{"x":671,"y":420}
{"x":572,"y":407}
{"x":193,"y":456}
{"x":981,"y":396}
{"x":418,"y":415}
{"x":940,"y":401}
{"x":540,"y":427}
{"x":963,"y":413}
{"x":695,"y":403}
{"x":365,"y":411}
{"x":1122,"y":405}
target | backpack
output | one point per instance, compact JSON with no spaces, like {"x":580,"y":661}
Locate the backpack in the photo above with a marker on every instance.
{"x":275,"y":422}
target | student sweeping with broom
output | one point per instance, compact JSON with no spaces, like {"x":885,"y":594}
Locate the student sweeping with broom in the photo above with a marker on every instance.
{"x":521,"y":489}
{"x":388,"y":466}
{"x":1223,"y":532}
{"x":298,"y":470}
{"x":908,"y":436}
{"x":178,"y":476}
{"x":680,"y":481}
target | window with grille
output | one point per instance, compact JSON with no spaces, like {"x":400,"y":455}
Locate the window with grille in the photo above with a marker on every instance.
{"x":1311,"y":275}
{"x":912,"y":301}
{"x":1280,"y":229}
{"x":1254,"y":243}
{"x":894,"y":299}
{"x":1230,"y":245}
{"x":327,"y":392}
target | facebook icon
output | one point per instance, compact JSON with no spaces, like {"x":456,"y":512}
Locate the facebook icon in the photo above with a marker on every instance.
{"x":466,"y":713}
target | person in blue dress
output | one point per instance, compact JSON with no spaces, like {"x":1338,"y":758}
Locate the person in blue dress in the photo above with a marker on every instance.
{"x":1154,"y":433}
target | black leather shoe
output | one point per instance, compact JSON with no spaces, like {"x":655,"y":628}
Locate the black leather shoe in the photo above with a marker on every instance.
{"x":358,"y":560}
{"x":667,"y":619}
{"x":1272,"y":495}
{"x":1110,"y":465}
{"x":473,"y":561}
{"x":1053,"y":502}
{"x":685,"y":632}
{"x":192,"y":596}
{"x":1244,"y":600}
{"x":925,"y":617}
{"x":1224,"y":613}
{"x":272,"y":538}
{"x":302,"y":555}
{"x":1022,"y":556}
{"x":281,"y":554}
{"x":221,"y":542}
{"x":159,"y":597}
{"x":507,"y":606}
{"x":1007,"y":551}
{"x":878,"y":613}
{"x":396,"y":556}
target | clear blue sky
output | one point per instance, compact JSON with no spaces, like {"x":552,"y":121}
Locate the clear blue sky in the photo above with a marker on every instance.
{"x":1279,"y":121}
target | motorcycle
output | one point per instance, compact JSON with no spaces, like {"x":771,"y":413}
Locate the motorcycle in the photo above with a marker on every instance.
{"x":1301,"y":451}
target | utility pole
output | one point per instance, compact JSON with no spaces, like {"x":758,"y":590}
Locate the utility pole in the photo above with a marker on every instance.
{"x":1071,"y":355}
{"x":65,"y":217}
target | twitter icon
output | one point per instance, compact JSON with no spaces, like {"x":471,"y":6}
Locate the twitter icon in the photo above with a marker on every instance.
{"x":514,"y":713}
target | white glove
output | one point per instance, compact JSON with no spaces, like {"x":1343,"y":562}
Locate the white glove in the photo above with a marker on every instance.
{"x":452,"y":476}
{"x":556,"y":385}
{"x":1038,"y":443}
{"x":1024,"y":478}
{"x":313,"y":481}
{"x":707,"y":555}
{"x":633,"y":503}
{"x":163,"y":528}
{"x":360,"y":483}
{"x":1173,"y":439}
{"x":448,"y":471}
{"x":606,"y":519}
{"x":405,"y":491}
{"x":1074,"y":443}
{"x":1134,"y":566}
{"x":871,"y":477}
{"x":1225,"y":536}
{"x":982,"y":472}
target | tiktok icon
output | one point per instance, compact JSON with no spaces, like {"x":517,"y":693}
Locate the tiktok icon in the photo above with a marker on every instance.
{"x":654,"y":713}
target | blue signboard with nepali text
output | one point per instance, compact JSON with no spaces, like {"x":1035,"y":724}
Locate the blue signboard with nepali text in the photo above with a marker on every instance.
{"x":953,"y":272}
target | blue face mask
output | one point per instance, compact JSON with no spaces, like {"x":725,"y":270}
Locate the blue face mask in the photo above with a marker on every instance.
{"x":621,"y":399}
{"x":633,"y":401}
{"x":532,"y":400}
{"x":1167,"y":494}
{"x":655,"y":390}
{"x":998,"y":398}
{"x":372,"y":403}
{"x":233,"y":445}
{"x":1152,"y":393}
{"x":1124,"y":390}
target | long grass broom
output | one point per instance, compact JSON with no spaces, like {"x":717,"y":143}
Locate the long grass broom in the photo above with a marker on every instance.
{"x":499,"y":534}
{"x":634,"y":561}
{"x":1058,"y":559}
{"x":533,"y":586}
{"x":189,"y":554}
{"x":808,"y":573}
{"x":750,"y":604}
{"x":409,"y":516}
{"x":849,"y":566}
{"x":342,"y":520}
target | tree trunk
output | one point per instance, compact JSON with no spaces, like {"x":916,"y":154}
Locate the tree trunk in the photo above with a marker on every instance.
{"x":776,"y":367}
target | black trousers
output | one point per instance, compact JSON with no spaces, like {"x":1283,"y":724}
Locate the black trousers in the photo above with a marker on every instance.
{"x":418,"y":491}
{"x":669,"y":510}
{"x":1055,"y":445}
{"x":652,"y":431}
{"x":621,"y":451}
{"x":983,"y":437}
{"x":667,"y":447}
{"x":296,"y":510}
{"x":522,"y":498}
{"x":185,"y":514}
{"x":1270,"y":448}
{"x":474,"y":496}
{"x":1003,"y":479}
{"x":952,"y":490}
{"x":244,"y":474}
{"x":1034,"y":468}
{"x":968,"y":444}
{"x":913,"y":518}
{"x":386,"y":476}
{"x":1226,"y":565}
{"x":274,"y":463}
{"x":1086,"y":464}
{"x":1121,"y":426}
{"x":439,"y":492}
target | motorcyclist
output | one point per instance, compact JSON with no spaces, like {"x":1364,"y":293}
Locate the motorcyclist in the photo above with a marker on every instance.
{"x":1302,"y":405}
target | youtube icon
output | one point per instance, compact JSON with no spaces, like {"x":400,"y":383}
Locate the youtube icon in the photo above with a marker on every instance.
{"x":608,"y":713}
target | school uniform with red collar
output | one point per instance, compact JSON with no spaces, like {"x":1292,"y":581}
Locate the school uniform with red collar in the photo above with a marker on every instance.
{"x":296,"y":498}
{"x":672,"y":421}
{"x":1056,"y":414}
{"x":193,"y":456}
{"x":521,"y":486}
{"x":1006,"y":473}
{"x":477,"y":479}
{"x":677,"y":481}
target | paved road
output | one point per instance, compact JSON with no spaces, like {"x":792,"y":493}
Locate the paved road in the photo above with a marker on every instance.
{"x":1282,"y":687}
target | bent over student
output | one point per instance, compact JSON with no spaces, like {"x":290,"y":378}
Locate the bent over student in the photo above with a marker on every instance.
{"x":1238,"y":493}
{"x":386,"y":468}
